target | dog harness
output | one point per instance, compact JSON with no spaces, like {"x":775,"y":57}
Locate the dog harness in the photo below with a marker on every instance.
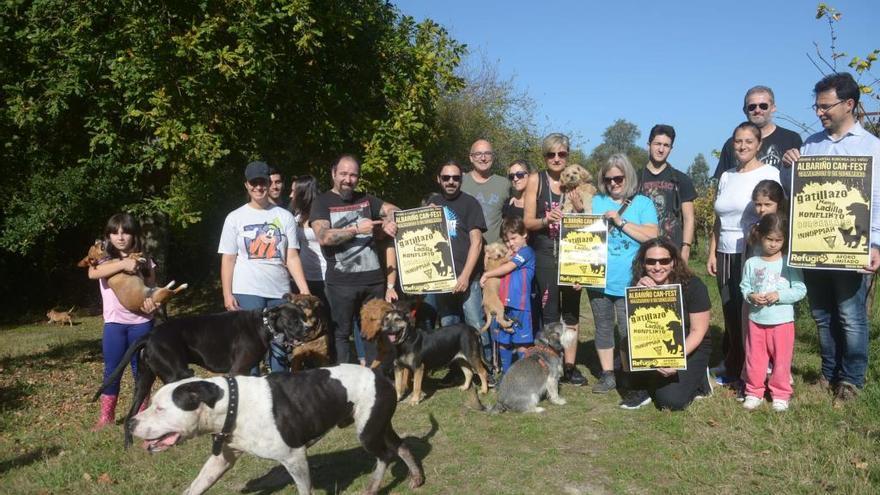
{"x":274,"y":335}
{"x":536,"y":350}
{"x":231,"y":415}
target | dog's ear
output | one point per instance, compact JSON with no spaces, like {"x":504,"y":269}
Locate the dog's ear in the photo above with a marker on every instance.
{"x":288,"y":297}
{"x":189,"y":395}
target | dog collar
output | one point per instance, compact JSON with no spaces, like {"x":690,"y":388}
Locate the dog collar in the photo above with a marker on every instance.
{"x":231,"y":415}
{"x":274,"y":335}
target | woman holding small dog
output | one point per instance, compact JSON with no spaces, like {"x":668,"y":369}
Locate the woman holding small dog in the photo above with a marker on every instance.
{"x":121,"y":326}
{"x":659,"y":262}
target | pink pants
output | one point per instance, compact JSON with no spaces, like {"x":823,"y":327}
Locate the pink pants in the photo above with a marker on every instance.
{"x":763,"y":343}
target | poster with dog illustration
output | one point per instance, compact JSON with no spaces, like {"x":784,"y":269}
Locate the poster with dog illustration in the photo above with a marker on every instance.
{"x":656,"y":327}
{"x":830,"y":212}
{"x":583,"y":250}
{"x":424,"y":254}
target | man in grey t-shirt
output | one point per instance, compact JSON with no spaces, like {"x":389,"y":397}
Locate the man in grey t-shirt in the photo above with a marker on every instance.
{"x":491,"y":191}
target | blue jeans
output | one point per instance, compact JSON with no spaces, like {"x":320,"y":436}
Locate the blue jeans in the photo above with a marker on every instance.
{"x":117,"y":338}
{"x":276,"y":358}
{"x":463,"y":306}
{"x":837,"y":301}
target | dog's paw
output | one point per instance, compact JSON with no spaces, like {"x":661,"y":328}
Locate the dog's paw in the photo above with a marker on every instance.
{"x":416,"y":481}
{"x":539,"y":410}
{"x":559,"y":401}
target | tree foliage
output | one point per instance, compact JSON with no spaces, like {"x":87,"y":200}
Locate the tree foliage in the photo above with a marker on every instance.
{"x":620,"y":137}
{"x":699,"y":174}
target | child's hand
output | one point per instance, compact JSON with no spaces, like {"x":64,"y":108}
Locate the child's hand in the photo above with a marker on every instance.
{"x":129,"y":265}
{"x":771,"y":298}
{"x":149,"y":306}
{"x":756,"y":299}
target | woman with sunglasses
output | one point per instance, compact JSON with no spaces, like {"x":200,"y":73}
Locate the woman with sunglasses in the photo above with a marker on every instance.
{"x":734,"y":216}
{"x":632,"y":220}
{"x":518,"y":174}
{"x":542,"y":212}
{"x":658,"y":262}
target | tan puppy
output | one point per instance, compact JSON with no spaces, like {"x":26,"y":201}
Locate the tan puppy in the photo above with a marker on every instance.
{"x":496,"y":255}
{"x":576,"y":178}
{"x":316,"y":346}
{"x":61,"y":317}
{"x":372,"y":317}
{"x":129,"y":289}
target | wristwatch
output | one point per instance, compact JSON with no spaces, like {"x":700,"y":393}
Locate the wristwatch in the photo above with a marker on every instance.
{"x":389,"y":286}
{"x":623,"y":223}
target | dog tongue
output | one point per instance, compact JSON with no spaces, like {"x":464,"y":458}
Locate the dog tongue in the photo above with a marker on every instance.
{"x":392,"y":338}
{"x":162,"y":442}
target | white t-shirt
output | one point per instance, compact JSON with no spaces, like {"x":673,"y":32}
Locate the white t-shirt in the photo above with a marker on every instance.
{"x":734,"y":208}
{"x":260,"y":239}
{"x":313,"y":262}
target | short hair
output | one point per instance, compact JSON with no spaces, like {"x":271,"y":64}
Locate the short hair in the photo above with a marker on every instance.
{"x":129,"y":225}
{"x":750,"y":126}
{"x":619,"y":161}
{"x":346,"y":156}
{"x":758,"y":89}
{"x":524,"y":164}
{"x":274,"y":171}
{"x":662,"y":130}
{"x":842,"y":83}
{"x":305,"y":190}
{"x":449,"y":163}
{"x":555,"y":139}
{"x":772,"y":190}
{"x":513,"y":225}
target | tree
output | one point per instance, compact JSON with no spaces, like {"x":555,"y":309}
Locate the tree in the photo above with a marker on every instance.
{"x":699,"y":174}
{"x":620,"y":137}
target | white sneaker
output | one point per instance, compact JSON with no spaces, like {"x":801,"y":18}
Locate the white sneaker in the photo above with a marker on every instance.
{"x":780,"y":405}
{"x":752,"y":402}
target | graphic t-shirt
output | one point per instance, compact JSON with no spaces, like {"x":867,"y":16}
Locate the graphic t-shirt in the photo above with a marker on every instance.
{"x":516,"y":286}
{"x":492,"y":196}
{"x":463,"y":214}
{"x":260,"y":239}
{"x":622,"y":248}
{"x":355,"y":262}
{"x":772,"y":148}
{"x":668,"y":190}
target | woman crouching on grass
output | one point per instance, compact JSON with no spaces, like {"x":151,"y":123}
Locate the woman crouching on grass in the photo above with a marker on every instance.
{"x":659,"y":262}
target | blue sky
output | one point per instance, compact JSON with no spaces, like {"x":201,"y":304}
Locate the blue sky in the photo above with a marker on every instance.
{"x":685,"y":63}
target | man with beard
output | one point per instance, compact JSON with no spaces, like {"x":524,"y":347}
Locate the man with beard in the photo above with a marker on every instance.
{"x":759,"y":105}
{"x":276,"y":188}
{"x":490,"y":190}
{"x":346,"y":224}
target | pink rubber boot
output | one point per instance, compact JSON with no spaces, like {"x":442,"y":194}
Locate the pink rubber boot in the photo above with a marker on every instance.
{"x":108,"y":412}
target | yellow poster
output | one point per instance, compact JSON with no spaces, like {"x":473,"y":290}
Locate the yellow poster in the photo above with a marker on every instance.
{"x":830,"y":212}
{"x":424,"y":254}
{"x":656,"y":327}
{"x":583,"y":250}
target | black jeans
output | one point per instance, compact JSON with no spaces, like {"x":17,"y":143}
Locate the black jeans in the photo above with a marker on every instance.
{"x":345,"y":304}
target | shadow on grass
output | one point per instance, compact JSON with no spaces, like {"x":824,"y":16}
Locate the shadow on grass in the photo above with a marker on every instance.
{"x":29,"y":458}
{"x":63,"y":355}
{"x":12,"y":398}
{"x":334,"y":472}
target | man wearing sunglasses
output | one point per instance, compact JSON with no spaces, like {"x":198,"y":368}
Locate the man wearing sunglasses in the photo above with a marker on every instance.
{"x":838,"y":298}
{"x":759,"y":105}
{"x":490,"y":190}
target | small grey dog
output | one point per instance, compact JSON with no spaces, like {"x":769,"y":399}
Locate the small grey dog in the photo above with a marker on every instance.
{"x":537,"y":374}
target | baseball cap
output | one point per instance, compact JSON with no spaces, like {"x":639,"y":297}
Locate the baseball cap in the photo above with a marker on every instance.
{"x":256,"y":170}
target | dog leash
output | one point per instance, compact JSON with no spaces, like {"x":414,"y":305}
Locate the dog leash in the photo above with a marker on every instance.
{"x":231,"y":415}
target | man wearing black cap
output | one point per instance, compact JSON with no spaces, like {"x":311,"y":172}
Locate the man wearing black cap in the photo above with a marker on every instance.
{"x":345,"y":222}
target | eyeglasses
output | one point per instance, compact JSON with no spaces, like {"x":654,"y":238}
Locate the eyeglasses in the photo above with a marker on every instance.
{"x":258,"y":183}
{"x":448,"y":178}
{"x":482,"y":154}
{"x":762,"y":106}
{"x":825,"y":108}
{"x":617,"y":179}
{"x":551,"y":155}
{"x":517,"y":175}
{"x":657,"y":261}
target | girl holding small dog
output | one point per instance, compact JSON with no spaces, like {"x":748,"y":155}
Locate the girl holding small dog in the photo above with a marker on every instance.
{"x":121,"y":326}
{"x":516,"y":292}
{"x":771,"y":288}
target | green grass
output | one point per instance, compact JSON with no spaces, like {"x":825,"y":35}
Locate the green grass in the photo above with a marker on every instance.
{"x":47,"y":375}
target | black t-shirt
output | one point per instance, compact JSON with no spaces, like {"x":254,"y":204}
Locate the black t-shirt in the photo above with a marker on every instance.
{"x":772,"y":148}
{"x":355,"y":262}
{"x":696,"y":300}
{"x":544,"y":241}
{"x":668,"y":190}
{"x":511,"y":211}
{"x":463,"y":214}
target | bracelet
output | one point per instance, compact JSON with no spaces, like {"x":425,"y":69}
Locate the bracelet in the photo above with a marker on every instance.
{"x":623,"y":223}
{"x":686,"y":244}
{"x":389,"y":286}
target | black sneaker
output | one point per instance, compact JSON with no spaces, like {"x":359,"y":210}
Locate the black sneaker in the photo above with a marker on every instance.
{"x":606,"y":383}
{"x":634,"y":399}
{"x":572,"y":376}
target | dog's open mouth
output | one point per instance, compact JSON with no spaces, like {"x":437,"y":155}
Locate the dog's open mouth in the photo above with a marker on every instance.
{"x":162,"y":443}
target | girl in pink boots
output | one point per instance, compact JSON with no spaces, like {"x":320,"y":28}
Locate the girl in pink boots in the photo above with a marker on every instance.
{"x":121,"y":326}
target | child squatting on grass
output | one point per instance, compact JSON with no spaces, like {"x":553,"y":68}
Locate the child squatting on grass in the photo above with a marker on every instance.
{"x":516,"y":284}
{"x":771,"y":288}
{"x":121,"y":326}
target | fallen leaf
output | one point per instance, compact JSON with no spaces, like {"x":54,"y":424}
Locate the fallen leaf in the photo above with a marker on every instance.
{"x":105,"y":479}
{"x":712,"y":423}
{"x":860,"y":464}
{"x":87,"y":476}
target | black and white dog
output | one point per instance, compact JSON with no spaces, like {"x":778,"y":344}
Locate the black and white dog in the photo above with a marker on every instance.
{"x":231,"y":342}
{"x":278,"y":417}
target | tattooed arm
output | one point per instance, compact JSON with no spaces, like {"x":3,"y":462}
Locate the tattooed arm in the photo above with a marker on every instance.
{"x":334,"y":237}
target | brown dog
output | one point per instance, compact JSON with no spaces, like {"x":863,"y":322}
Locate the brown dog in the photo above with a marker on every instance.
{"x":129,"y":289}
{"x":576,"y":178}
{"x":61,"y":317}
{"x":316,"y":346}
{"x":496,"y":255}
{"x":373,"y":314}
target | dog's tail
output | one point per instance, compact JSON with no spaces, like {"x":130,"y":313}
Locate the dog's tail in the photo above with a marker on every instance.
{"x":71,"y":308}
{"x":137,"y":346}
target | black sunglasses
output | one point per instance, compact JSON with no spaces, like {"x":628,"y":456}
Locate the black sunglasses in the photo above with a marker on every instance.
{"x":551,"y":155}
{"x":762,"y":106}
{"x":517,"y":175}
{"x":453,"y":178}
{"x":617,"y":179}
{"x":657,"y":261}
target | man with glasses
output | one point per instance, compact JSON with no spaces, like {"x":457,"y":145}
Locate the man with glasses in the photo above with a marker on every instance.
{"x":344,"y":221}
{"x":838,"y":298}
{"x":490,"y":190}
{"x":671,"y":190}
{"x":759,"y":105}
